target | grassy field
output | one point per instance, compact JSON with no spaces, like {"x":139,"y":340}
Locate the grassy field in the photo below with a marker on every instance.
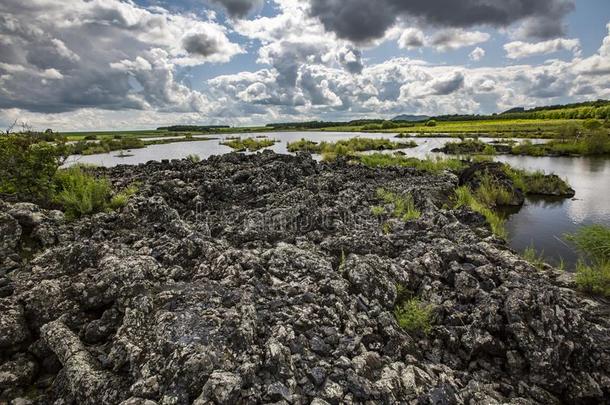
{"x":506,"y":128}
{"x":522,"y":128}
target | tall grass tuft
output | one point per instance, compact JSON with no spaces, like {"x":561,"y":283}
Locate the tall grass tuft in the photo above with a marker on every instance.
{"x":413,"y":315}
{"x":80,"y":193}
{"x":404,"y":205}
{"x":465,"y":198}
{"x":593,"y":271}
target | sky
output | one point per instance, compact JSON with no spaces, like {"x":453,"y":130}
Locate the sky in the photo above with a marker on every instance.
{"x":117,"y":64}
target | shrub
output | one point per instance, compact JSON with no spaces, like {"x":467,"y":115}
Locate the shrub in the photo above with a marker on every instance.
{"x":90,"y":138}
{"x":27,"y":167}
{"x":80,"y":193}
{"x":414,"y":316}
{"x":431,"y":123}
{"x":388,"y":125}
{"x":592,"y":124}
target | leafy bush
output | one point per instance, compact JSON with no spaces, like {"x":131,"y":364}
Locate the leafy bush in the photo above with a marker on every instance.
{"x":414,"y":316}
{"x":431,"y":123}
{"x":27,"y":167}
{"x":80,"y":193}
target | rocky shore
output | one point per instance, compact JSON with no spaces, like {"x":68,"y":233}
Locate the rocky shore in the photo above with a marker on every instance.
{"x":267,"y":279}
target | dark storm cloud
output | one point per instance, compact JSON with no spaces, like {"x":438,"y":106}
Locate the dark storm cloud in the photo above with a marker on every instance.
{"x":365,"y":20}
{"x":240,"y":8}
{"x":200,"y":44}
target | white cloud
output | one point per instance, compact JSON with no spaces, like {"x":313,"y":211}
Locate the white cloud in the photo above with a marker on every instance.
{"x":519,"y":50}
{"x":477,"y":54}
{"x":445,"y":40}
{"x":101,"y":53}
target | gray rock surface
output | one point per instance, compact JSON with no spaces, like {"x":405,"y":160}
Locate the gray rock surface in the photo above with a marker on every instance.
{"x":266,"y":279}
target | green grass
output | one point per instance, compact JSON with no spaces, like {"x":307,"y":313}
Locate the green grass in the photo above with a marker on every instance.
{"x":465,"y":198}
{"x":593,"y":270}
{"x":534,"y":128}
{"x":594,"y":279}
{"x":433,"y":165}
{"x":491,"y":194}
{"x":414,"y":316}
{"x":377,"y":210}
{"x":194,"y":158}
{"x":248,"y":144}
{"x":593,"y":144}
{"x":593,"y":241}
{"x":534,"y":258}
{"x":121,"y":198}
{"x":80,"y":194}
{"x":347,"y":147}
{"x":403,"y":204}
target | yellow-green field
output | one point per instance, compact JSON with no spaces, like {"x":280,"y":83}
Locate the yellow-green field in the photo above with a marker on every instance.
{"x":527,"y":128}
{"x":504,"y":128}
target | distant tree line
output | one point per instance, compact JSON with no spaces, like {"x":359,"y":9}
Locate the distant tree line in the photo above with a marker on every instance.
{"x":192,"y":128}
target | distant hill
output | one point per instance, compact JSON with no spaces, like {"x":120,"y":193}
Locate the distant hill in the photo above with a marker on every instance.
{"x":412,"y":118}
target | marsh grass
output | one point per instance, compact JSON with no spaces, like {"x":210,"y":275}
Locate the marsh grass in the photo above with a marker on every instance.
{"x":347,"y":147}
{"x":534,"y":257}
{"x":465,"y":198}
{"x":491,"y":194}
{"x":248,"y":144}
{"x":537,"y":182}
{"x":593,"y":270}
{"x":403,"y":204}
{"x":433,"y":165}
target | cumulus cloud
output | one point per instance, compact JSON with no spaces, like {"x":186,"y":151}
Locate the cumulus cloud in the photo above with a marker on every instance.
{"x":108,"y":54}
{"x":477,"y":54}
{"x":519,"y":49}
{"x":410,"y":38}
{"x":458,"y":38}
{"x":240,"y":8}
{"x":444,"y":40}
{"x":364,"y":20}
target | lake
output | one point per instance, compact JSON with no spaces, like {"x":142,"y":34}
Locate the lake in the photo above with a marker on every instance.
{"x":541,"y":222}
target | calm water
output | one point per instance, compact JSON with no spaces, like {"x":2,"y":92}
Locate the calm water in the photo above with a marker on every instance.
{"x":541,"y":223}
